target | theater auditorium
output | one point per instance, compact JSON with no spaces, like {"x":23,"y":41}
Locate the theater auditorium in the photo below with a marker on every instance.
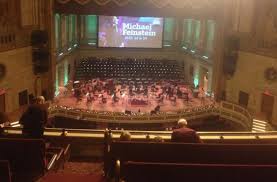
{"x":138,"y":91}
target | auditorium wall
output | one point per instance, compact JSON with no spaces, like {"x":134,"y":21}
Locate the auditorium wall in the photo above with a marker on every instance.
{"x":250,"y":78}
{"x":19,"y":75}
{"x":196,"y":69}
{"x":65,"y":69}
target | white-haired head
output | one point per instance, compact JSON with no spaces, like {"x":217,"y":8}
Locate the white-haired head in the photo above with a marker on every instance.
{"x":182,"y":123}
{"x":40,"y":100}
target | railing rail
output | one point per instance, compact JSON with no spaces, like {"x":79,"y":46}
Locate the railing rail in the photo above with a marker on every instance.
{"x":7,"y":41}
{"x":99,"y":134}
{"x":226,"y":110}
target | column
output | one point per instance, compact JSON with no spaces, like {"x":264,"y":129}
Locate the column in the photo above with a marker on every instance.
{"x":179,"y":31}
{"x":218,"y":77}
{"x":210,"y":79}
{"x":203,"y":34}
{"x":65,"y":68}
{"x":49,"y":25}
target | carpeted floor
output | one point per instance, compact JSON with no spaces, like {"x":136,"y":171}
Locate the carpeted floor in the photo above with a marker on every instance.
{"x":76,"y":172}
{"x":83,"y":168}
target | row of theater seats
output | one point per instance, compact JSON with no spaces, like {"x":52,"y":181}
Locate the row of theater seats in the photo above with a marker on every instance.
{"x":169,"y":172}
{"x":127,"y":68}
{"x":166,"y":161}
{"x":26,"y":160}
{"x":5,"y":171}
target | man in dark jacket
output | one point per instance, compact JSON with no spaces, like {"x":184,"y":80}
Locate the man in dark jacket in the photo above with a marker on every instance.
{"x":34,"y":119}
{"x":184,"y":134}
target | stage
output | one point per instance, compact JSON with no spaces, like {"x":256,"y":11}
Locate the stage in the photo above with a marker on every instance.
{"x":126,"y":103}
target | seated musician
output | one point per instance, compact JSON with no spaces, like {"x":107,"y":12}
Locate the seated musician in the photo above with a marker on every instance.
{"x":115,"y":98}
{"x":89,"y":98}
{"x":179,"y":93}
{"x":104,"y":100}
{"x":173,"y":99}
{"x":161,"y":100}
{"x":77,"y":93}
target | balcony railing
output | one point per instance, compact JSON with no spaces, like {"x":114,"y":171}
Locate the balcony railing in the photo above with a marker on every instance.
{"x":7,"y":41}
{"x":225,"y":110}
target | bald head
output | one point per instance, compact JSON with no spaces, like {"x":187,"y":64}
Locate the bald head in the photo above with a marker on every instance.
{"x":182,"y":123}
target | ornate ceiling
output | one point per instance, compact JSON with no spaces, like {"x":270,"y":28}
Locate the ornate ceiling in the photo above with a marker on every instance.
{"x":195,"y":4}
{"x":143,"y":7}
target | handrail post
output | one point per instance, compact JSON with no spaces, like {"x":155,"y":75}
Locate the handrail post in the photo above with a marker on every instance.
{"x":106,"y":152}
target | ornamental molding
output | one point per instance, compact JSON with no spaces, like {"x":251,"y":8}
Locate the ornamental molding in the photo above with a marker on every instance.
{"x":194,"y":4}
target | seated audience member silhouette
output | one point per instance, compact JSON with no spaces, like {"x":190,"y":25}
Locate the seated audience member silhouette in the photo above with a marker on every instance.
{"x":184,"y":134}
{"x":158,"y":139}
{"x":34,"y":119}
{"x":125,"y":136}
{"x":3,"y":121}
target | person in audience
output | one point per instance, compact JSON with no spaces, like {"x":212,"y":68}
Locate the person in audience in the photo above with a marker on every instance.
{"x":184,"y":134}
{"x":34,"y":119}
{"x":3,"y":121}
{"x":125,"y":136}
{"x":158,"y":139}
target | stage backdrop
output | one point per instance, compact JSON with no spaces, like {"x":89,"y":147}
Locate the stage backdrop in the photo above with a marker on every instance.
{"x":123,"y":31}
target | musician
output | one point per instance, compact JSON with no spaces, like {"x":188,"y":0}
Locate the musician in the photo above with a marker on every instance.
{"x":89,"y":98}
{"x":115,"y":98}
{"x":179,"y":93}
{"x":77,"y":93}
{"x":104,"y":100}
{"x":202,"y":95}
{"x":145,"y":91}
{"x":157,"y":108}
{"x":173,"y":99}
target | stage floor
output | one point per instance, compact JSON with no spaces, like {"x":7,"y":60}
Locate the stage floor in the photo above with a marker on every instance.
{"x":123,"y":104}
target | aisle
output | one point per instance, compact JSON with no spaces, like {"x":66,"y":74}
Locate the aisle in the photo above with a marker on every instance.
{"x":77,"y":172}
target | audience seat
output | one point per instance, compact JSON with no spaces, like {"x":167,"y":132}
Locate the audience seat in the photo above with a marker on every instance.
{"x":5,"y":174}
{"x":93,"y":67}
{"x":246,"y":154}
{"x":171,"y":172}
{"x":27,"y":157}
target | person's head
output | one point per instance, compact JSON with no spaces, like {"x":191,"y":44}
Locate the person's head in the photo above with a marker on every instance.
{"x":158,"y":139}
{"x":40,"y":100}
{"x":3,"y":119}
{"x":182,"y":123}
{"x":125,"y":136}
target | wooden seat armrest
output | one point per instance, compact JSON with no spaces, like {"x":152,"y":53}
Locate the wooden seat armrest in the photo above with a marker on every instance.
{"x":52,"y":157}
{"x":57,"y":150}
{"x":117,"y":171}
{"x":67,"y":151}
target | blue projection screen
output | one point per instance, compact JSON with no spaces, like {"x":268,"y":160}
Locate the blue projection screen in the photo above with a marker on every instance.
{"x":136,"y":32}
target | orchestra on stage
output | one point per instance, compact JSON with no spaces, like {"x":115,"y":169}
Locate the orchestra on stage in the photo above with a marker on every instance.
{"x":135,"y":93}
